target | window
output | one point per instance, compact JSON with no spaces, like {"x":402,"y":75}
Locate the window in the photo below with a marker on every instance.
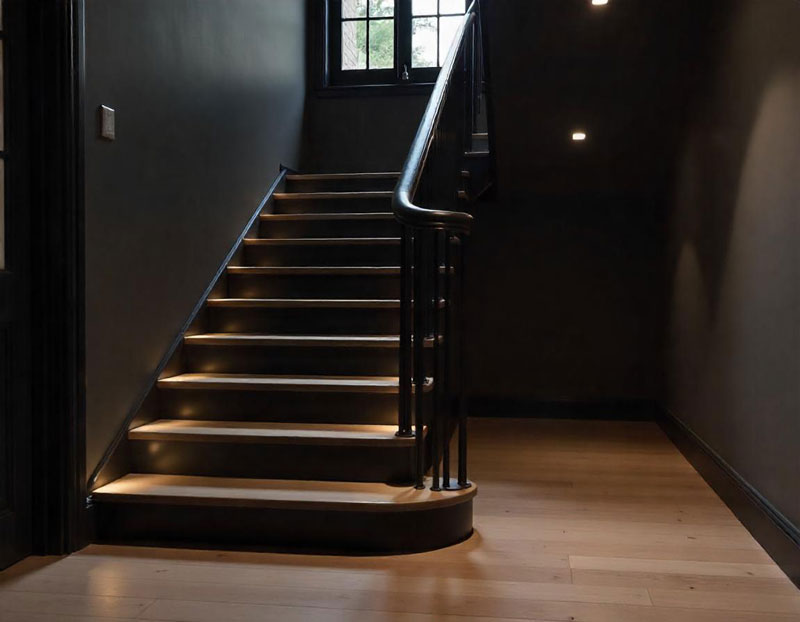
{"x":375,"y":42}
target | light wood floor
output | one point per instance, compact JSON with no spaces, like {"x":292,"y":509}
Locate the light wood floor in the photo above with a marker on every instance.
{"x":579,"y":521}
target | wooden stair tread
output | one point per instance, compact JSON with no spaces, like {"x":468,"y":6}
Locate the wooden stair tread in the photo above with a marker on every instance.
{"x":330,"y":216}
{"x":331,"y":341}
{"x":276,"y":494}
{"x":304,"y":196}
{"x":318,"y":241}
{"x":269,"y":382}
{"x":269,"y":432}
{"x":306,"y":270}
{"x":340,"y":176}
{"x":304,"y":303}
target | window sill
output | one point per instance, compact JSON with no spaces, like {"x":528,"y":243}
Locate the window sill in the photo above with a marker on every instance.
{"x":375,"y":90}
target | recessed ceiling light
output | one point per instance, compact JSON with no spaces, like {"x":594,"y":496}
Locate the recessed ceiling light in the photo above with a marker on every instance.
{"x":599,"y":2}
{"x":578,"y":136}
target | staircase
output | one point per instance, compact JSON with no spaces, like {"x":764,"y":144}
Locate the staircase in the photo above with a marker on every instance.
{"x":281,"y":429}
{"x":316,"y":400}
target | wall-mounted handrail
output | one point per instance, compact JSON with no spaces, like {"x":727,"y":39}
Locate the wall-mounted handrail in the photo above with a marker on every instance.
{"x":432,"y":263}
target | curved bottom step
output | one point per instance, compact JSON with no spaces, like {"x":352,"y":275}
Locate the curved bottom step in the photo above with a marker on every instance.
{"x":284,"y":514}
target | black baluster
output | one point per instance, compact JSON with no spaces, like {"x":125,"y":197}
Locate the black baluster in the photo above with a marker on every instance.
{"x":436,"y":419}
{"x":447,"y":414}
{"x":420,"y":297}
{"x":463,"y":482}
{"x":469,"y":78}
{"x":406,"y":280}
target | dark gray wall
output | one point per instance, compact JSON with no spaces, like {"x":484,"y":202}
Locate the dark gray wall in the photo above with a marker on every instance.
{"x":564,"y":301}
{"x":566,"y":265}
{"x":619,"y":72}
{"x":209,"y":97}
{"x":734,"y":360}
{"x":351,"y":134}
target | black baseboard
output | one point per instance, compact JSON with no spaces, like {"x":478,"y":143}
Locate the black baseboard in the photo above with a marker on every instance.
{"x":613,"y":410}
{"x":773,"y":531}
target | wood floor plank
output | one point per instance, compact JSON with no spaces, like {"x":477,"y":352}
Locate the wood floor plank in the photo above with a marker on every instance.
{"x":72,"y":604}
{"x":686,"y":582}
{"x":338,"y":573}
{"x":672,"y":566}
{"x":456,"y":609}
{"x":328,"y":594}
{"x":214,"y":612}
{"x":727,"y":600}
{"x":17,"y":616}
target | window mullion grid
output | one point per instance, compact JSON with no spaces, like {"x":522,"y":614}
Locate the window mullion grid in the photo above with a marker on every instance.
{"x":403,"y":30}
{"x":439,"y":40}
{"x":439,"y":59}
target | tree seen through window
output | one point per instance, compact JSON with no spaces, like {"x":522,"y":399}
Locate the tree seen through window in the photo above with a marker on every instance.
{"x":385,"y":41}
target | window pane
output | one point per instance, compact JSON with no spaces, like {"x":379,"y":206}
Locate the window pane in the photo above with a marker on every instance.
{"x":354,"y":45}
{"x":452,"y":7}
{"x":381,"y":44}
{"x":381,"y":8}
{"x":423,"y":42}
{"x":424,"y":7}
{"x":447,"y":28}
{"x":354,"y":8}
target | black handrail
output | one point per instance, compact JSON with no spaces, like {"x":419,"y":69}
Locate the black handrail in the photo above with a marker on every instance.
{"x":432,"y":248}
{"x":402,"y":202}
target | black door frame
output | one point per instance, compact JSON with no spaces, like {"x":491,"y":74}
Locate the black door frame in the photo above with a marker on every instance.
{"x":15,"y":294}
{"x":56,"y":54}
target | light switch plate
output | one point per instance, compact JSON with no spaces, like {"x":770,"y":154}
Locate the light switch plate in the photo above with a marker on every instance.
{"x":108,"y":128}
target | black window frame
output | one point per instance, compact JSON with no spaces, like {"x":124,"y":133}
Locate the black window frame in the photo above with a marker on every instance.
{"x":335,"y":76}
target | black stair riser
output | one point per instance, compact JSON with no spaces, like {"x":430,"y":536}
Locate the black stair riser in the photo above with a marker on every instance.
{"x":322,"y":206}
{"x":279,"y":406}
{"x":335,"y":228}
{"x":305,"y":321}
{"x":385,"y":286}
{"x":323,"y":255}
{"x":308,"y":530}
{"x":478,"y":167}
{"x":341,"y":185}
{"x":275,"y":461}
{"x":480,"y":143}
{"x":302,"y":360}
